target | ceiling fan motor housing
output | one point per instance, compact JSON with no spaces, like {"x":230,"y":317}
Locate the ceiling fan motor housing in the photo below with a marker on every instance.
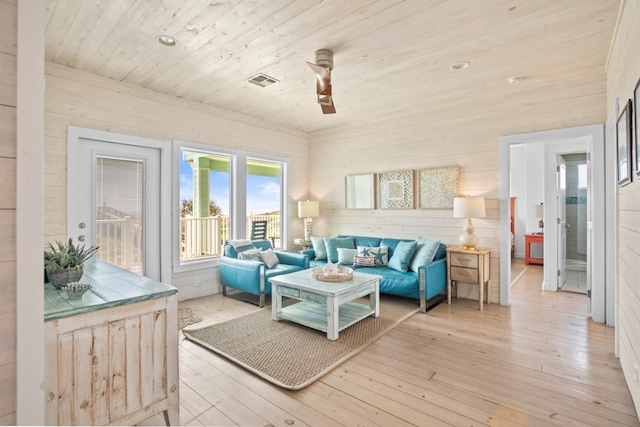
{"x":324,"y":58}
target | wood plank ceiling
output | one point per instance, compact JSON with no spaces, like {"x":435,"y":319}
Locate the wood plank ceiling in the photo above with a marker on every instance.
{"x":391,"y":57}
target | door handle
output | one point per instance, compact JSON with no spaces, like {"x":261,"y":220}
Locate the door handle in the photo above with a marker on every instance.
{"x":81,"y":238}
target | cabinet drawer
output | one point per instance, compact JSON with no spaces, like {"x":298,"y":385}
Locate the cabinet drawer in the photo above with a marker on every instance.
{"x":318,"y":299}
{"x":464,"y":274}
{"x":289,"y":292}
{"x":464,"y":260}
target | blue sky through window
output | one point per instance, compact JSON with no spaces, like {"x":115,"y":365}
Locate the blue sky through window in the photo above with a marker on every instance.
{"x":263,"y":192}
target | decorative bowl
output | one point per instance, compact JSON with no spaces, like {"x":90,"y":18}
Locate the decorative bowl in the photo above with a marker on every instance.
{"x":344,"y":274}
{"x":75,"y":290}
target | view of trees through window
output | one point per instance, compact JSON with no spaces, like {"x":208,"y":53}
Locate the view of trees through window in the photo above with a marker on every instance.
{"x":206,"y":197}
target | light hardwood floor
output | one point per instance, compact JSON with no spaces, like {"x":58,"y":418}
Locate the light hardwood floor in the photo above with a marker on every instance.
{"x":539,"y":362}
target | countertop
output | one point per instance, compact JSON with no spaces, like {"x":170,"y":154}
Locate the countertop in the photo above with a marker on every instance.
{"x":112,"y":286}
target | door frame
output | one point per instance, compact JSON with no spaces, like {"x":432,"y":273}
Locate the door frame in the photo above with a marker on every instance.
{"x":601,"y":228}
{"x":553,"y":150}
{"x":75,"y":134}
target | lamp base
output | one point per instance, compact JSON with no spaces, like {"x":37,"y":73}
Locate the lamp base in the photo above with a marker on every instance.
{"x":308,"y":225}
{"x":468,"y":240}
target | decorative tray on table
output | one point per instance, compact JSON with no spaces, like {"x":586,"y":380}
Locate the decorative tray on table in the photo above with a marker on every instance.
{"x":344,"y":274}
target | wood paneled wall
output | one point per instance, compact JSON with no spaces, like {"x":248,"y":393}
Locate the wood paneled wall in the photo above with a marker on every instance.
{"x":8,"y":147}
{"x":75,"y":98}
{"x":623,"y":73}
{"x":465,"y":133}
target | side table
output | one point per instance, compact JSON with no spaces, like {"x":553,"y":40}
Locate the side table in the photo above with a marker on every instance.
{"x":530,"y":239}
{"x":469,"y":266}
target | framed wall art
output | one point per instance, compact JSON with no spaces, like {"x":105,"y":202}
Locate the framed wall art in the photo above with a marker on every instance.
{"x":623,"y":145}
{"x":395,"y":190}
{"x":437,"y":187}
{"x":635,"y":131}
{"x":360,"y":191}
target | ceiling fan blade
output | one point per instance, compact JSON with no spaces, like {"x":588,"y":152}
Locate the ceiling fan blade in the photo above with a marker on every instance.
{"x":321,"y":72}
{"x":328,"y":109}
{"x":323,"y":88}
{"x":326,"y":100}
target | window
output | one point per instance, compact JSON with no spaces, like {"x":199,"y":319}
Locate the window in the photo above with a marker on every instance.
{"x":221,"y":193}
{"x":264,"y":197}
{"x":204,"y":204}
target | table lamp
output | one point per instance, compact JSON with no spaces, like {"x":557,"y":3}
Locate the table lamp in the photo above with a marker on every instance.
{"x":468,"y":207}
{"x":308,"y":209}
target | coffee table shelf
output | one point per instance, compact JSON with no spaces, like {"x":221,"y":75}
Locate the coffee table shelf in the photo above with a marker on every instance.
{"x":314,"y":315}
{"x":326,"y":307}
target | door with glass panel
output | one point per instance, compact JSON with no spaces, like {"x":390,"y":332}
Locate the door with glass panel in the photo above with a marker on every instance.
{"x":117,"y":205}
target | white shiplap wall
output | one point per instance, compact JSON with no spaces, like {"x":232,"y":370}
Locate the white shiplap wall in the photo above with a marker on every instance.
{"x":8,"y":34}
{"x":623,"y":73}
{"x":76,"y":98}
{"x":462,"y":133}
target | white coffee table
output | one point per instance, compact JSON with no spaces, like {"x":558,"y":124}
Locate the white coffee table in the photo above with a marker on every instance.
{"x":325,"y":306}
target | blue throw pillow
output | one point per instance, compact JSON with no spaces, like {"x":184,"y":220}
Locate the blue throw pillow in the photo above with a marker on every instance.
{"x":333,"y":243}
{"x":345,"y":256}
{"x":425,"y":252}
{"x":402,"y":256}
{"x":319,"y":248}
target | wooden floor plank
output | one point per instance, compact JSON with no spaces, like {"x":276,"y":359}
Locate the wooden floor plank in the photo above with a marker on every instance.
{"x":539,"y":362}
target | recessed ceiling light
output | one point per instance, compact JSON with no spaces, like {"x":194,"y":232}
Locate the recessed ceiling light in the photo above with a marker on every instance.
{"x":513,"y":80}
{"x":167,"y":40}
{"x":460,"y":65}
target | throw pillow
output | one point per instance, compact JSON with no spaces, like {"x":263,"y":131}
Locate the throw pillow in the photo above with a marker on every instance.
{"x":402,"y":255}
{"x":250,"y":255}
{"x":381,"y":253}
{"x":241,"y":246}
{"x":345,"y":255}
{"x":319,"y":248}
{"x":425,"y":252}
{"x":333,"y":243}
{"x":364,"y":261}
{"x":269,"y":257}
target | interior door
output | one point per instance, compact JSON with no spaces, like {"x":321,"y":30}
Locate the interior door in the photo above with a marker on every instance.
{"x":562,"y":221}
{"x":117,"y":204}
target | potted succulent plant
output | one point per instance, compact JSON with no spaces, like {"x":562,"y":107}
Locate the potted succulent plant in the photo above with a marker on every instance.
{"x":63,"y":262}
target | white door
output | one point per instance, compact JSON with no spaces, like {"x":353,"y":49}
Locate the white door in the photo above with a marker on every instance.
{"x":117,"y":204}
{"x":562,"y":221}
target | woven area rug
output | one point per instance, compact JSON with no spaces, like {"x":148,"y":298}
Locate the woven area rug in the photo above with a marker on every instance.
{"x":186,"y":317}
{"x":293,"y":356}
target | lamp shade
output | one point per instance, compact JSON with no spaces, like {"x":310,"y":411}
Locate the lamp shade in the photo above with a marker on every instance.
{"x":469,"y":207}
{"x":539,"y":210}
{"x":308,"y":209}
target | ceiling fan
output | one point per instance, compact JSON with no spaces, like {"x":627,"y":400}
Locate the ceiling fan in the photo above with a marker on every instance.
{"x":322,"y":68}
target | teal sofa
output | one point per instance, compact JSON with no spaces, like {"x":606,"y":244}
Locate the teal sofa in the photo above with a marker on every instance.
{"x":253,"y":277}
{"x":427,"y":284}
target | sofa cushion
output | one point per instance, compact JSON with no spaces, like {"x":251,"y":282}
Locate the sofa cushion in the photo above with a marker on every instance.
{"x":319,"y":248}
{"x":250,"y":254}
{"x":269,"y":257}
{"x":381,"y":253}
{"x":402,"y":256}
{"x":333,"y":243}
{"x":366,"y":241}
{"x":364,"y":261}
{"x":425,"y":252}
{"x":346,"y":255}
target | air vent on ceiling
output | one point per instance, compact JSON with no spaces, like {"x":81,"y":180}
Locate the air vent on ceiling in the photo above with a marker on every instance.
{"x":262,"y":80}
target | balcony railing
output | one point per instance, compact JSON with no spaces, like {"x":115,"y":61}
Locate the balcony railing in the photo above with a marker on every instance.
{"x":205,"y":237}
{"x":120,"y":239}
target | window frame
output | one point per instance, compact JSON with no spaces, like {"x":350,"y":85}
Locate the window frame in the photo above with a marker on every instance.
{"x":237,"y":202}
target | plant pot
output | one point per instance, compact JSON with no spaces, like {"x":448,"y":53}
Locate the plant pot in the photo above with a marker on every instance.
{"x":60,"y":278}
